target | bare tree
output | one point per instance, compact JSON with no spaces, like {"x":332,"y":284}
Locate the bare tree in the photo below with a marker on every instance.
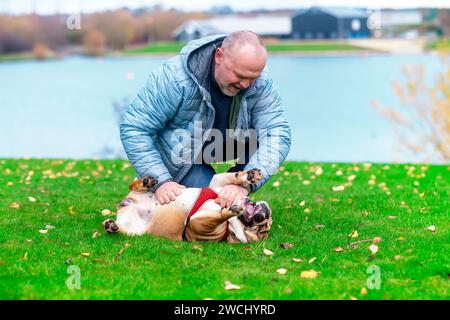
{"x":422,"y":123}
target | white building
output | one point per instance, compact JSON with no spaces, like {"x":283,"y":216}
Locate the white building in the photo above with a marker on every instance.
{"x":263,"y":25}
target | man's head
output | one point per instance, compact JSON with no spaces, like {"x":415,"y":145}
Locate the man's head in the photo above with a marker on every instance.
{"x":239,"y":62}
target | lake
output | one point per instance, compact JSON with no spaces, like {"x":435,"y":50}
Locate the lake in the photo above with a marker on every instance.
{"x":64,"y":108}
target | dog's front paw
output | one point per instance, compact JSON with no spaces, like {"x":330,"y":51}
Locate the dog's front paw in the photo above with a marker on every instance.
{"x":110,"y":226}
{"x":254,"y":175}
{"x":144,"y":184}
{"x":237,"y":210}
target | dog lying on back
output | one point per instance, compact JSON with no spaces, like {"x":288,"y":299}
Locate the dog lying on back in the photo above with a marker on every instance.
{"x":194,"y":215}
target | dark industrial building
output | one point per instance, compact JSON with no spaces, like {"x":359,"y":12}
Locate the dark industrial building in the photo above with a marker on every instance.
{"x":330,"y":23}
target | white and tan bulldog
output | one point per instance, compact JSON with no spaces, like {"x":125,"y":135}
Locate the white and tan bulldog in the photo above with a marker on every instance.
{"x":194,"y":215}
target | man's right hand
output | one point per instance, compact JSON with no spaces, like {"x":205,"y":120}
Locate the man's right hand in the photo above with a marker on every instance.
{"x":168,"y":192}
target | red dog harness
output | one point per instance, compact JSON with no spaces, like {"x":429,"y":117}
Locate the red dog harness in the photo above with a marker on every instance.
{"x":205,"y":195}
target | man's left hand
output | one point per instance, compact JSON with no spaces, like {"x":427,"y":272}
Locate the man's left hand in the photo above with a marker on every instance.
{"x":230,"y":195}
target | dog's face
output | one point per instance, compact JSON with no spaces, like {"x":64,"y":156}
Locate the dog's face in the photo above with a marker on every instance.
{"x":255,"y":223}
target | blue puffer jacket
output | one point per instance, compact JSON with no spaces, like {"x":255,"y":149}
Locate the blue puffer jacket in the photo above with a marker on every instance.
{"x":163,"y":129}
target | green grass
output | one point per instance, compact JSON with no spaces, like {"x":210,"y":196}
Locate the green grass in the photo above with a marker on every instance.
{"x":70,"y":196}
{"x":16,"y":57}
{"x":281,"y":47}
{"x":443,"y":44}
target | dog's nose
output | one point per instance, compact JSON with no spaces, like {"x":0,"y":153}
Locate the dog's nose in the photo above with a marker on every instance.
{"x":259,"y":217}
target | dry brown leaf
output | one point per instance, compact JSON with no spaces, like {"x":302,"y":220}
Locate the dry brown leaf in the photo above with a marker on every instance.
{"x":32,"y":199}
{"x":376,"y":240}
{"x":312,"y":260}
{"x":25,"y":256}
{"x":302,"y":204}
{"x":338,"y":249}
{"x":297,"y":260}
{"x":106,"y":212}
{"x":363,"y":291}
{"x":267,"y":252}
{"x":71,"y":210}
{"x":43,"y":231}
{"x":286,"y":245}
{"x":281,"y":271}
{"x":306,"y":182}
{"x":392,"y":217}
{"x":397,"y":257}
{"x":95,"y":235}
{"x":338,"y":188}
{"x":276,"y":184}
{"x":351,"y":178}
{"x":309,"y":274}
{"x":431,"y":228}
{"x":85,"y":254}
{"x":197,"y":247}
{"x":15,"y":205}
{"x":230,"y":286}
{"x":307,"y":210}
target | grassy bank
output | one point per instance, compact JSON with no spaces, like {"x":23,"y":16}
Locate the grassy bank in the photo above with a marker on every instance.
{"x":64,"y":199}
{"x":281,"y":47}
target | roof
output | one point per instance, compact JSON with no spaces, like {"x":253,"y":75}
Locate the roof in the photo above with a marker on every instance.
{"x":261,"y":24}
{"x":339,"y":12}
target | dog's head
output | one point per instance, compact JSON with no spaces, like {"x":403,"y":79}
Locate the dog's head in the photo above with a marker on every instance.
{"x":255,"y":223}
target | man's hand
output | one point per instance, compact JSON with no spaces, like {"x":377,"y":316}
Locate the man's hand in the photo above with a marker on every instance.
{"x":168,"y":192}
{"x":230,"y":195}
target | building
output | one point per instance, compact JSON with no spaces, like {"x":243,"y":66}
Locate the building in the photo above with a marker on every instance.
{"x":264,"y":25}
{"x":330,"y":23}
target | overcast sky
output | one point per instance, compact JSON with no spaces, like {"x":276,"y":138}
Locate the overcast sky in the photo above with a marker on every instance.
{"x":72,"y":6}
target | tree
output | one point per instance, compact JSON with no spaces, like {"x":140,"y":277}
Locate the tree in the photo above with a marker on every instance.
{"x":423,"y":122}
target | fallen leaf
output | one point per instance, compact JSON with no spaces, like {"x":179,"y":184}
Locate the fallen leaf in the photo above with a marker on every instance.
{"x":338,"y":249}
{"x":15,"y":205}
{"x":43,"y":231}
{"x":120,"y":251}
{"x":312,"y":260}
{"x":71,"y":210}
{"x":376,"y":240}
{"x":302,"y":204}
{"x":307,"y":210}
{"x":306,"y":182}
{"x":338,"y":188}
{"x":401,"y":239}
{"x":392,"y":217}
{"x":286,"y":245}
{"x":297,"y":260}
{"x":126,"y":245}
{"x":397,"y":257}
{"x":309,"y":274}
{"x":353,"y":298}
{"x":49,"y":227}
{"x":281,"y":271}
{"x":106,"y":212}
{"x":25,"y":256}
{"x":32,"y":199}
{"x":230,"y":286}
{"x":372,"y":182}
{"x":85,"y":254}
{"x":432,"y":228}
{"x":363,"y":291}
{"x":318,"y":226}
{"x":339,"y":173}
{"x":354,"y":234}
{"x":10,"y":184}
{"x":373,"y":248}
{"x":276,"y":184}
{"x":197,"y":247}
{"x":365,"y":213}
{"x":318,"y":171}
{"x":351,"y":178}
{"x":267,"y":252}
{"x":95,"y":235}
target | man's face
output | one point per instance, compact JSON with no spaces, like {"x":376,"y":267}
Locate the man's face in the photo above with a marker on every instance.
{"x":238,"y":70}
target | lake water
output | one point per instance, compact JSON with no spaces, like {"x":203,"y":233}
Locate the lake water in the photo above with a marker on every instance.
{"x":64,"y":108}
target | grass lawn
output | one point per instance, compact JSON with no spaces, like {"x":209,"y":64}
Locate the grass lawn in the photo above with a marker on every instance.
{"x":397,"y":203}
{"x":281,"y":47}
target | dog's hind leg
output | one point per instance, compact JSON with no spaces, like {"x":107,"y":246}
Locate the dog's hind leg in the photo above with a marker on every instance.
{"x":144,"y":184}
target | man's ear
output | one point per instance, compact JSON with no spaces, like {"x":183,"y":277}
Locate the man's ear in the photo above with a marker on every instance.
{"x":218,"y":57}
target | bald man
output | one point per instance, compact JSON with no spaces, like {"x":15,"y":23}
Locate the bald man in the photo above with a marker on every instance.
{"x":213,"y":102}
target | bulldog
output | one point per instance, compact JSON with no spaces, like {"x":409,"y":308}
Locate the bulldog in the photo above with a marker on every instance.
{"x":194,"y":215}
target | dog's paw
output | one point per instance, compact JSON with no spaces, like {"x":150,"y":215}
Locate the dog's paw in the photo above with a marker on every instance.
{"x":254,"y":175}
{"x":110,"y":226}
{"x":237,"y":210}
{"x":144,"y":184}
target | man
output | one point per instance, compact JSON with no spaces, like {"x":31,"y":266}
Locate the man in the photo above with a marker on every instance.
{"x":216,"y":87}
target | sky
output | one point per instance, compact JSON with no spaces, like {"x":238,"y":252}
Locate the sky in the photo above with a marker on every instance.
{"x":75,"y":6}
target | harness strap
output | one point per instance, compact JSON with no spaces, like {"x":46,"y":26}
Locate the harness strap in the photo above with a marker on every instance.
{"x":205,"y":195}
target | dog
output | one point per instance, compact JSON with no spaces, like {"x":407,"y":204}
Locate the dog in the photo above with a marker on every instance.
{"x":194,"y":215}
